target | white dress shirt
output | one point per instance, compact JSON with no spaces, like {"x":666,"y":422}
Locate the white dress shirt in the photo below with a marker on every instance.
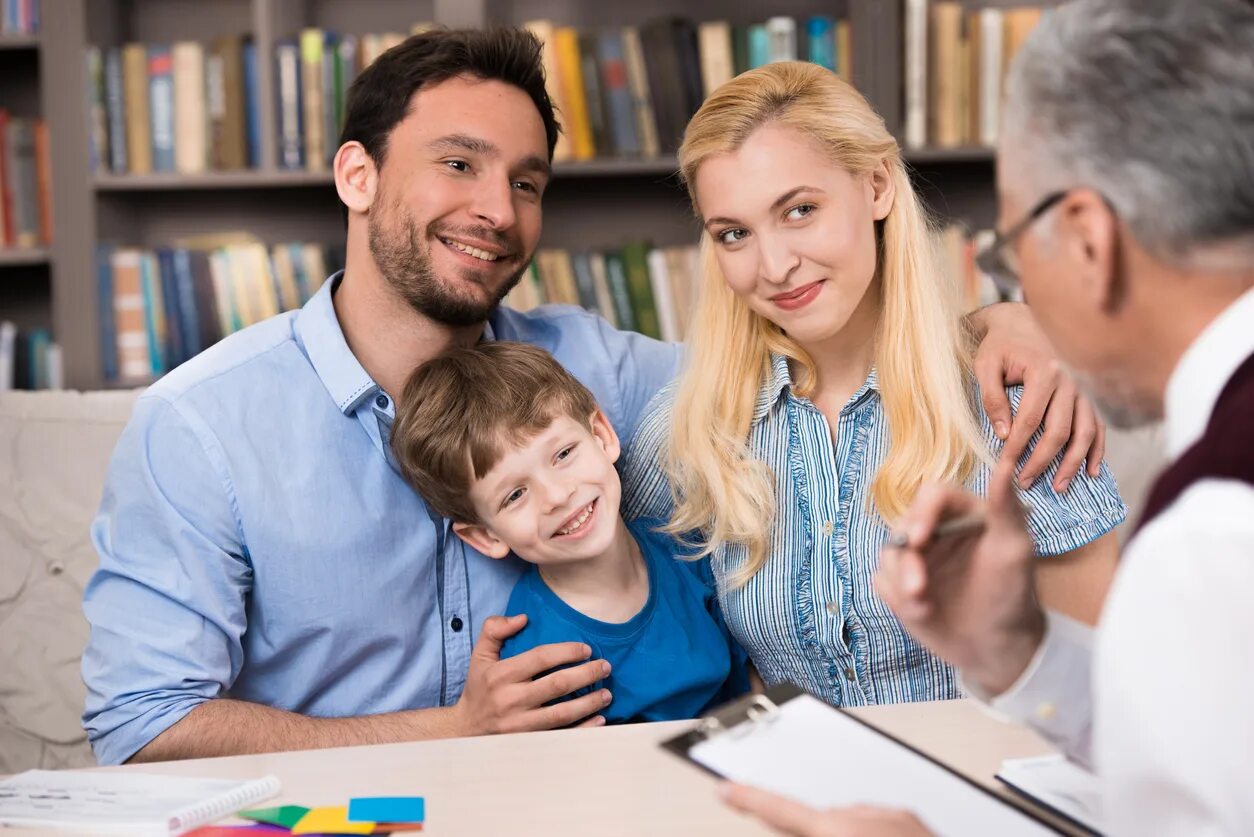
{"x":1160,"y":699}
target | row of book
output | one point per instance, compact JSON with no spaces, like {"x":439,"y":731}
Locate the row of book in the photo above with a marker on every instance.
{"x":161,"y":307}
{"x":189,"y":107}
{"x":29,"y":359}
{"x":312,"y":76}
{"x":636,"y":287}
{"x":181,"y":108}
{"x":19,"y":17}
{"x":630,"y":91}
{"x":956,"y":62}
{"x":25,"y":182}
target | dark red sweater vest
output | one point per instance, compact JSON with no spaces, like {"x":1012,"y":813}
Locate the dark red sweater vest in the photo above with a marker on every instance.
{"x":1225,"y":451}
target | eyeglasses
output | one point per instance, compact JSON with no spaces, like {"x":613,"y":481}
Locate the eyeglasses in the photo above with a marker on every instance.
{"x":998,"y":260}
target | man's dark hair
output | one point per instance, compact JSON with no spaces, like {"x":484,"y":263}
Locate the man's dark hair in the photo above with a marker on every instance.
{"x":379,"y":97}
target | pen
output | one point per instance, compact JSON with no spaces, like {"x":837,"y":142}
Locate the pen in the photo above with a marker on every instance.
{"x":964,"y":524}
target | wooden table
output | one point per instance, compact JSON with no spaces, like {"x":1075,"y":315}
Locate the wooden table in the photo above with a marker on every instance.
{"x":610,"y":781}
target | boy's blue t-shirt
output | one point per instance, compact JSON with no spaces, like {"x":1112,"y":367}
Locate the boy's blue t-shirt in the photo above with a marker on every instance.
{"x":672,"y":660}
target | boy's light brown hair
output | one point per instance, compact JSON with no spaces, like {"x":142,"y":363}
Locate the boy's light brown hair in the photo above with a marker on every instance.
{"x":460,"y":411}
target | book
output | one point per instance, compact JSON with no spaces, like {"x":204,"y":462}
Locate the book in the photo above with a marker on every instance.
{"x":641,"y":100}
{"x":115,"y":109}
{"x":916,"y":73}
{"x":124,"y":802}
{"x":553,"y":84}
{"x":161,"y":106}
{"x":191,"y":128}
{"x":616,"y":88}
{"x":290,"y":130}
{"x":594,"y":95}
{"x":135,"y":108}
{"x":714,"y":40}
{"x":311,"y":54}
{"x":571,"y":71}
{"x":781,"y":33}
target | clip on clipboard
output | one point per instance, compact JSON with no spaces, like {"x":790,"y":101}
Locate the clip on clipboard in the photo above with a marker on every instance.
{"x":791,"y":743}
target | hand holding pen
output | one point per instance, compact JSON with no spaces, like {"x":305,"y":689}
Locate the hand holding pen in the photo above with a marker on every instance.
{"x":958,"y":572}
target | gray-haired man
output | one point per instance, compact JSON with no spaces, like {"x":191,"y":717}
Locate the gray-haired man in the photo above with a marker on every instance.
{"x":1126,"y":186}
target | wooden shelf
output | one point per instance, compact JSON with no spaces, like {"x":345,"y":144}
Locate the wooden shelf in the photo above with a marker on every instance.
{"x":964,"y":154}
{"x":168,"y":181}
{"x":664,"y":166}
{"x":22,"y":256}
{"x":19,"y":42}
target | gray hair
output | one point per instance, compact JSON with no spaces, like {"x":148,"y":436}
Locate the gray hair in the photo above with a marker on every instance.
{"x":1151,"y":103}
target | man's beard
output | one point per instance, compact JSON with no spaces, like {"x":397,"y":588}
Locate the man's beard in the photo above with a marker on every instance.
{"x":1118,"y":402}
{"x":405,"y":263}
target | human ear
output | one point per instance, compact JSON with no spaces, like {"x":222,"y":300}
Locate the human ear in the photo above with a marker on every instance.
{"x":604,"y":433}
{"x":883,"y":191}
{"x":481,"y":538}
{"x":1088,"y":232}
{"x":356,"y":178}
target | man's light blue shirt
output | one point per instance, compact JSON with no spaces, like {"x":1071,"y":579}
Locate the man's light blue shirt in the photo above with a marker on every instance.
{"x":256,"y":541}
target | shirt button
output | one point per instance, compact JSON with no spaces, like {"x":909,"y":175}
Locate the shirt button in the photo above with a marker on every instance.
{"x":833,"y":608}
{"x":828,"y":528}
{"x":455,"y":623}
{"x":381,"y":402}
{"x":1046,"y":711}
{"x":849,"y":675}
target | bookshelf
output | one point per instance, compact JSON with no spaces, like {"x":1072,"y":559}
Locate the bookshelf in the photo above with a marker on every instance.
{"x":593,"y":203}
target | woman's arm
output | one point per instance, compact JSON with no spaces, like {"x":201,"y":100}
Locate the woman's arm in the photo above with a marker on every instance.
{"x":1075,"y":583}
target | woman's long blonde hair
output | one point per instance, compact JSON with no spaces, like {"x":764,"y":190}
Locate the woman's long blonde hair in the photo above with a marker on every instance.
{"x":922,"y":352}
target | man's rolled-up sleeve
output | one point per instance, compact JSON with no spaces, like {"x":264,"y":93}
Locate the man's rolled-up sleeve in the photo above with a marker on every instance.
{"x":166,"y":607}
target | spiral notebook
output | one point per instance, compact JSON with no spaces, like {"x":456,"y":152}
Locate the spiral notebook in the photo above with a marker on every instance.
{"x":122,"y":802}
{"x":789,"y":742}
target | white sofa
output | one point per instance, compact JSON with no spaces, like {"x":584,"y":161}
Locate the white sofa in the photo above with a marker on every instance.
{"x":54,"y":450}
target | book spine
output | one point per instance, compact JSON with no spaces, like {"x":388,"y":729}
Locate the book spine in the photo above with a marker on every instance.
{"x":115,"y":107}
{"x":173,"y":343}
{"x":252,"y":105}
{"x":571,"y":72}
{"x":161,"y":107}
{"x":759,"y":46}
{"x":553,"y":84}
{"x":821,"y":42}
{"x":191,"y":129}
{"x":782,"y":37}
{"x":134,"y":363}
{"x":97,"y":118}
{"x":104,"y":303}
{"x":311,"y":43}
{"x":185,"y":292}
{"x":714,"y":39}
{"x":641,"y":100}
{"x":291,"y":132}
{"x":138,"y":122}
{"x":916,"y":73}
{"x":991,"y":31}
{"x":617,"y":89}
{"x":6,"y":184}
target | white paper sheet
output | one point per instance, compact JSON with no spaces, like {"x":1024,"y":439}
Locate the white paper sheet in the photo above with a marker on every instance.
{"x":826,"y":759}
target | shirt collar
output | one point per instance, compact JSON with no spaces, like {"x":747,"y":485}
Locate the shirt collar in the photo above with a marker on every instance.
{"x":779,"y":379}
{"x":1203,"y":372}
{"x":318,"y":329}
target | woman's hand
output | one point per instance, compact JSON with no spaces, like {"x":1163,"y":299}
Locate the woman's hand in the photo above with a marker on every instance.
{"x":790,"y":817}
{"x":1013,"y":350}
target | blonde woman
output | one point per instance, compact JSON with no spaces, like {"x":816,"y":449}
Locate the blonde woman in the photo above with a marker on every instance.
{"x":828,"y":376}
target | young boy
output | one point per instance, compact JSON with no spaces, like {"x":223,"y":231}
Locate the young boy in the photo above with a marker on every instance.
{"x":502,"y":440}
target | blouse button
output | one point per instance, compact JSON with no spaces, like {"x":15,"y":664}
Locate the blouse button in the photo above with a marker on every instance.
{"x":828,"y":528}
